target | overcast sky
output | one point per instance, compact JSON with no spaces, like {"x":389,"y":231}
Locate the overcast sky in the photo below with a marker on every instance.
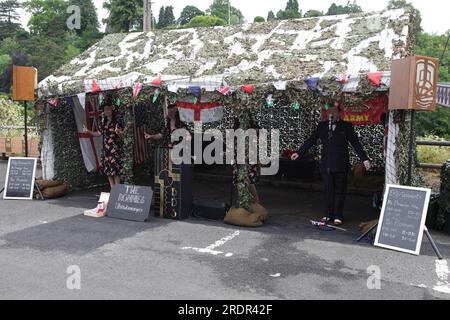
{"x":435,"y":13}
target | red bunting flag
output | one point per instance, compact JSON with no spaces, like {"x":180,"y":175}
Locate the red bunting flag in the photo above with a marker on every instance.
{"x":224,"y":90}
{"x":157,"y":81}
{"x":95,"y":87}
{"x":375,"y":78}
{"x":137,"y":88}
{"x":54,"y":102}
{"x":249,"y":88}
{"x":343,"y":78}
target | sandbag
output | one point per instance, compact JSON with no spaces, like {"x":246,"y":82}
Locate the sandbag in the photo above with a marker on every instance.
{"x":42,"y":184}
{"x":55,"y":192}
{"x":260,"y":210}
{"x":243,"y":218}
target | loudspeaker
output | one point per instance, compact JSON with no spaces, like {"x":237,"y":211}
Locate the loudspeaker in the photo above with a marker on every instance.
{"x":414,"y":84}
{"x":173,"y":187}
{"x":210,"y":209}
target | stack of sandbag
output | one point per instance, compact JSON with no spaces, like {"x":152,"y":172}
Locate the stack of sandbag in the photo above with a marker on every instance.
{"x":52,"y":189}
{"x":243,"y":218}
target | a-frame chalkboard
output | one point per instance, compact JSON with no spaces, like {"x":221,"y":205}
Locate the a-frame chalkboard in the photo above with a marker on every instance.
{"x":20,"y":179}
{"x":402,"y":221}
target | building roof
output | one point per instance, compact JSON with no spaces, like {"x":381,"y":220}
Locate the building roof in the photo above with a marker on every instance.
{"x":251,"y":53}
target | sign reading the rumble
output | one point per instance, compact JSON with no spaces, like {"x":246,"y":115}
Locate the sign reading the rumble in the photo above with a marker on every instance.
{"x":130,"y":203}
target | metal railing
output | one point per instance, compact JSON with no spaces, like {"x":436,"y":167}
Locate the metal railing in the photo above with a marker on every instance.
{"x":443,"y":94}
{"x":433,"y":144}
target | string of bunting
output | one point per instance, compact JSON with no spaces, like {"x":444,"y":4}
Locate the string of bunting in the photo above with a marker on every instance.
{"x":312,"y":83}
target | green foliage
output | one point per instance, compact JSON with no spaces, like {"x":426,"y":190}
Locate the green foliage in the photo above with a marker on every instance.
{"x":292,"y":11}
{"x":124,"y":15}
{"x":434,"y":123}
{"x":5,"y":62}
{"x":166,"y":17}
{"x":432,"y":45}
{"x":11,"y":113}
{"x":219,"y":8}
{"x":271,"y":16}
{"x":89,"y":18}
{"x":48,"y":17}
{"x":206,"y":21}
{"x":188,"y":13}
{"x":9,"y":18}
{"x":339,"y":9}
{"x":259,"y":19}
{"x":432,"y":154}
{"x":49,"y":44}
{"x":71,"y":52}
{"x":313,"y":13}
{"x":8,"y":46}
{"x":45,"y":54}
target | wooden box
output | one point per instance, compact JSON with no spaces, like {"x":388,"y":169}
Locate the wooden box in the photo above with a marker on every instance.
{"x":414,"y":84}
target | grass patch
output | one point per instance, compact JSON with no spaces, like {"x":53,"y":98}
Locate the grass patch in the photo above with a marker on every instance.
{"x":431,"y":154}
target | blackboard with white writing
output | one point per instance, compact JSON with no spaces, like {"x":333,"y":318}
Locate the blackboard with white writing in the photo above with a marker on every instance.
{"x":402,"y":221}
{"x":19,"y":184}
{"x":130,"y":203}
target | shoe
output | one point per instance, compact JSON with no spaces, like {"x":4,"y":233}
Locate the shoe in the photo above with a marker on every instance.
{"x":325,"y":219}
{"x":338,"y":222}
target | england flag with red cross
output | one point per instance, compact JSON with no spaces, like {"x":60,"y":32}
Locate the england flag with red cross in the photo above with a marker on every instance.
{"x":200,"y":109}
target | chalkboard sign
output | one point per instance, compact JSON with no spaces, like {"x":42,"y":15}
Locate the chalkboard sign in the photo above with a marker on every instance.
{"x":20,"y":177}
{"x":402,"y":220}
{"x":130,"y":203}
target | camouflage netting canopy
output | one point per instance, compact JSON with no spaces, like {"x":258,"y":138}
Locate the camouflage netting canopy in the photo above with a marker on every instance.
{"x":276,"y":57}
{"x":253,"y":53}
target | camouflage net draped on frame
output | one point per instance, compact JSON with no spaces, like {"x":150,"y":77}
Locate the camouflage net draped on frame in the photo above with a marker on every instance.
{"x":444,"y":200}
{"x":295,"y":112}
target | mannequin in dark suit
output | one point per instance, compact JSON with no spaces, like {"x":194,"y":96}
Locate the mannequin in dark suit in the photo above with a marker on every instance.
{"x":335,"y":136}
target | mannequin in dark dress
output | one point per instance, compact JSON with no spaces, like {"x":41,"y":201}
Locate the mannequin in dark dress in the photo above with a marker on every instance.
{"x":112,"y":154}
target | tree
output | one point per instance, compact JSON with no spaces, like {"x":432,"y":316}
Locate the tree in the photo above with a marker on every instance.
{"x":89,"y":18}
{"x":348,"y":8}
{"x":47,"y":16}
{"x":169,"y":17}
{"x":166,"y":17}
{"x":219,"y":8}
{"x":5,"y":62}
{"x":271,"y":16}
{"x":417,"y":16}
{"x":259,"y":19}
{"x":188,"y":13}
{"x":124,"y":15}
{"x":313,"y":13}
{"x":206,"y":21}
{"x":160,"y":18}
{"x":292,"y":11}
{"x":434,"y":123}
{"x":9,"y":18}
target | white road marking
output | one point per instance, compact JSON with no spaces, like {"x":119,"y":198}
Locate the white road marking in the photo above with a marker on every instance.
{"x":276,"y":275}
{"x":43,"y":222}
{"x":211,"y":248}
{"x":443,"y":273}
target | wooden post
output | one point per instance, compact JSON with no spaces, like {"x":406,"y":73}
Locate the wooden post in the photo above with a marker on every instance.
{"x":147,"y":15}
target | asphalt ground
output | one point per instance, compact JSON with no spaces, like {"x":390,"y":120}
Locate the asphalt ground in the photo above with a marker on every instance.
{"x":41,"y":241}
